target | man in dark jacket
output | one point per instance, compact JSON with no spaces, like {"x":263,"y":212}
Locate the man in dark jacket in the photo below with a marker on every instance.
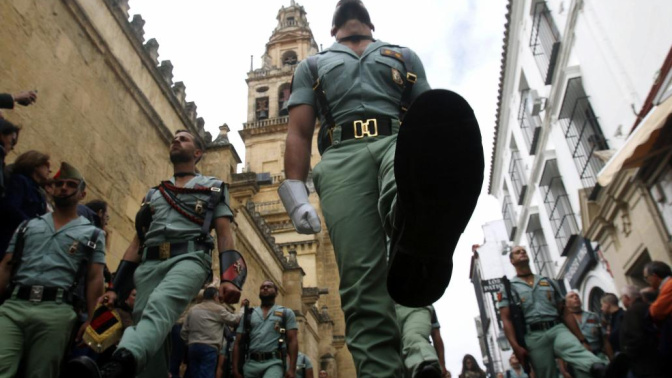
{"x":22,"y":98}
{"x":637,"y":340}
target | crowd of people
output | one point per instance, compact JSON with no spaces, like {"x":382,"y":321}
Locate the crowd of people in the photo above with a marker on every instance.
{"x":552,"y":335}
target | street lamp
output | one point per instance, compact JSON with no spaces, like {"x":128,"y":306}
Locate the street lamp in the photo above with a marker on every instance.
{"x":503,"y":342}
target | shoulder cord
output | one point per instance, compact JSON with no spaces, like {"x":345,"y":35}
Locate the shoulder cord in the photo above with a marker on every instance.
{"x":178,"y":208}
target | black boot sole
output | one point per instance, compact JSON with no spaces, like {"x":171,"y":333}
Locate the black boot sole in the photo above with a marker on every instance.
{"x":438,"y":169}
{"x":81,"y":367}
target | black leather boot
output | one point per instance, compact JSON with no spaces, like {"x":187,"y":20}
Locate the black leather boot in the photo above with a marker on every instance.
{"x":438,"y":168}
{"x":122,"y":365}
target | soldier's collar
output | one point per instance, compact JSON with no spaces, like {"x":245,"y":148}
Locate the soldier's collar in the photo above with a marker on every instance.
{"x":356,"y":38}
{"x":184,"y":174}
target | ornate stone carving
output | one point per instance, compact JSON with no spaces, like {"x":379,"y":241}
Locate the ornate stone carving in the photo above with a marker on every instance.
{"x":152,"y":48}
{"x":166,"y":69}
{"x":190,"y":108}
{"x":123,"y":6}
{"x":138,"y":26}
{"x":180,"y":91}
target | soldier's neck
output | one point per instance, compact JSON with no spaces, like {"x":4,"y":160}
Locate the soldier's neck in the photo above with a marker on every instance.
{"x":63,"y":216}
{"x":345,"y":35}
{"x":523,"y":271}
{"x":183,"y":173}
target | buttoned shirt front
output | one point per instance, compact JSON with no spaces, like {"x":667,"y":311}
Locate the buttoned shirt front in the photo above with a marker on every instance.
{"x":265,"y":331}
{"x":168,"y":225}
{"x":357,"y":87}
{"x":52,"y":257}
{"x":591,"y":329}
{"x":539,"y":301}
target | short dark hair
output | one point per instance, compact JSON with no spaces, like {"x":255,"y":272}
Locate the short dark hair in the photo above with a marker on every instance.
{"x":7,"y":127}
{"x":210,"y":292}
{"x":97,"y":205}
{"x":610,"y":298}
{"x":197,"y":141}
{"x":26,"y":163}
{"x":658,"y":268}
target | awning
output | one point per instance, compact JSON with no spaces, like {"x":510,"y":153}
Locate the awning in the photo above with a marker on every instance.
{"x":638,"y":147}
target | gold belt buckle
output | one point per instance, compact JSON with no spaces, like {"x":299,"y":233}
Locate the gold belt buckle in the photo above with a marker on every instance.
{"x":364,"y":127}
{"x":164,"y":251}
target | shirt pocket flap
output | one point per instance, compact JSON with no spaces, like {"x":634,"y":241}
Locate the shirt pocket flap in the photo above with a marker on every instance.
{"x":330,"y":67}
{"x":390,"y":62}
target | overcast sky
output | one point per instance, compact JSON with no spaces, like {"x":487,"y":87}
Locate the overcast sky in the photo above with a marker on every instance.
{"x":460,"y":43}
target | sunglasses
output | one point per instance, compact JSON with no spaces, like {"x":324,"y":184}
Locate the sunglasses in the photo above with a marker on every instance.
{"x":69,"y":184}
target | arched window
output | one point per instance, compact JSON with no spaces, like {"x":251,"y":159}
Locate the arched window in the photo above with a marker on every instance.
{"x":594,"y":300}
{"x":289,"y":58}
{"x":283,"y":99}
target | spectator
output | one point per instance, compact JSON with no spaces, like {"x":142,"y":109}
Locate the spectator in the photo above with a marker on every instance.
{"x":203,"y":330}
{"x":658,"y":275}
{"x":614,"y":315}
{"x":470,"y":368}
{"x":516,"y":370}
{"x":24,"y":198}
{"x":9,"y":135}
{"x":649,"y":294}
{"x":49,"y":188}
{"x":637,"y":338}
{"x":22,"y":98}
{"x":323,"y":374}
{"x":99,"y":207}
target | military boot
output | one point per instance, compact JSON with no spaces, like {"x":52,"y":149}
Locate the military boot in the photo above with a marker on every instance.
{"x":438,"y":168}
{"x":122,"y":365}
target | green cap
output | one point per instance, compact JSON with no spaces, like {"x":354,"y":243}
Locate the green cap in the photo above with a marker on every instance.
{"x":68,"y":172}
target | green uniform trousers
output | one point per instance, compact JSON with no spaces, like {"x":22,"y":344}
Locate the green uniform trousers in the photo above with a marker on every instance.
{"x":558,"y":342}
{"x":416,"y":327}
{"x":39,"y":332}
{"x":263,"y":369}
{"x":355,"y":182}
{"x":164,"y":289}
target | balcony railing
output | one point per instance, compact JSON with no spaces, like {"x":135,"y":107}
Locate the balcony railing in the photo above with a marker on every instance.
{"x":517,"y":176}
{"x":558,"y":207}
{"x":509,"y":217}
{"x":530,"y":125}
{"x":271,"y":207}
{"x":582,"y":132}
{"x":544,"y":41}
{"x":540,"y":252}
{"x":265,"y":123}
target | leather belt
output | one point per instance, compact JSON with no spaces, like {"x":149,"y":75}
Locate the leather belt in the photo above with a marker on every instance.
{"x":543,"y":326}
{"x":164,"y":251}
{"x":362,"y":128}
{"x":265,"y":356}
{"x":39,"y":293}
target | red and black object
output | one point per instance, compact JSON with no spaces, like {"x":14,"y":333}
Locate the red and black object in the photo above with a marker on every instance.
{"x":232,"y":268}
{"x":123,"y":280}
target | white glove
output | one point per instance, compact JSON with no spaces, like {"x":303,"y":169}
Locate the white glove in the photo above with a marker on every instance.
{"x":294,"y":196}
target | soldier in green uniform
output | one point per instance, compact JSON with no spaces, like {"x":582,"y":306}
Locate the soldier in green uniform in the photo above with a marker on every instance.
{"x":590,"y":325}
{"x":46,"y":257}
{"x":304,"y":368}
{"x":374,"y":180}
{"x":270,"y":323}
{"x":417,"y":325}
{"x":552,"y":331}
{"x":169,"y":260}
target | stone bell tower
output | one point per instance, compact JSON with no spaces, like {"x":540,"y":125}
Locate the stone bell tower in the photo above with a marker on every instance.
{"x":321,"y":321}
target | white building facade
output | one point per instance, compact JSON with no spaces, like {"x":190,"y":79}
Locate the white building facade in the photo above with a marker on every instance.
{"x":575,"y":74}
{"x":489,"y":263}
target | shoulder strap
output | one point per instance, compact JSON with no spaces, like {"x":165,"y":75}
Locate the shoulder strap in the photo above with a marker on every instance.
{"x":18,"y":248}
{"x":410,"y":80}
{"x":216,"y":192}
{"x":319,"y":92}
{"x":89,"y":247}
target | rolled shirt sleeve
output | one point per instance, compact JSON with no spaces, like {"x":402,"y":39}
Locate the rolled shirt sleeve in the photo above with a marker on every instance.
{"x":302,"y":87}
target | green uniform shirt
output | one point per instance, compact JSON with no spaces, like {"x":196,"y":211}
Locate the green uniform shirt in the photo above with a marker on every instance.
{"x":51,"y":258}
{"x":539,"y":302}
{"x":170,"y":226}
{"x":357,"y":87}
{"x":433,"y":317}
{"x":264,"y":333}
{"x":302,"y":364}
{"x":592,"y":330}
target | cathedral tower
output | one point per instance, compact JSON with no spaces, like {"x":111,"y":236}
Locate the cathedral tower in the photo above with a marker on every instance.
{"x":321,"y":325}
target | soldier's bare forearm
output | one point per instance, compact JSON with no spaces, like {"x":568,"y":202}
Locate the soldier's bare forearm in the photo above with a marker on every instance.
{"x":570,"y":322}
{"x":299,"y":142}
{"x":224,"y":234}
{"x":132,"y":253}
{"x":5,"y":272}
